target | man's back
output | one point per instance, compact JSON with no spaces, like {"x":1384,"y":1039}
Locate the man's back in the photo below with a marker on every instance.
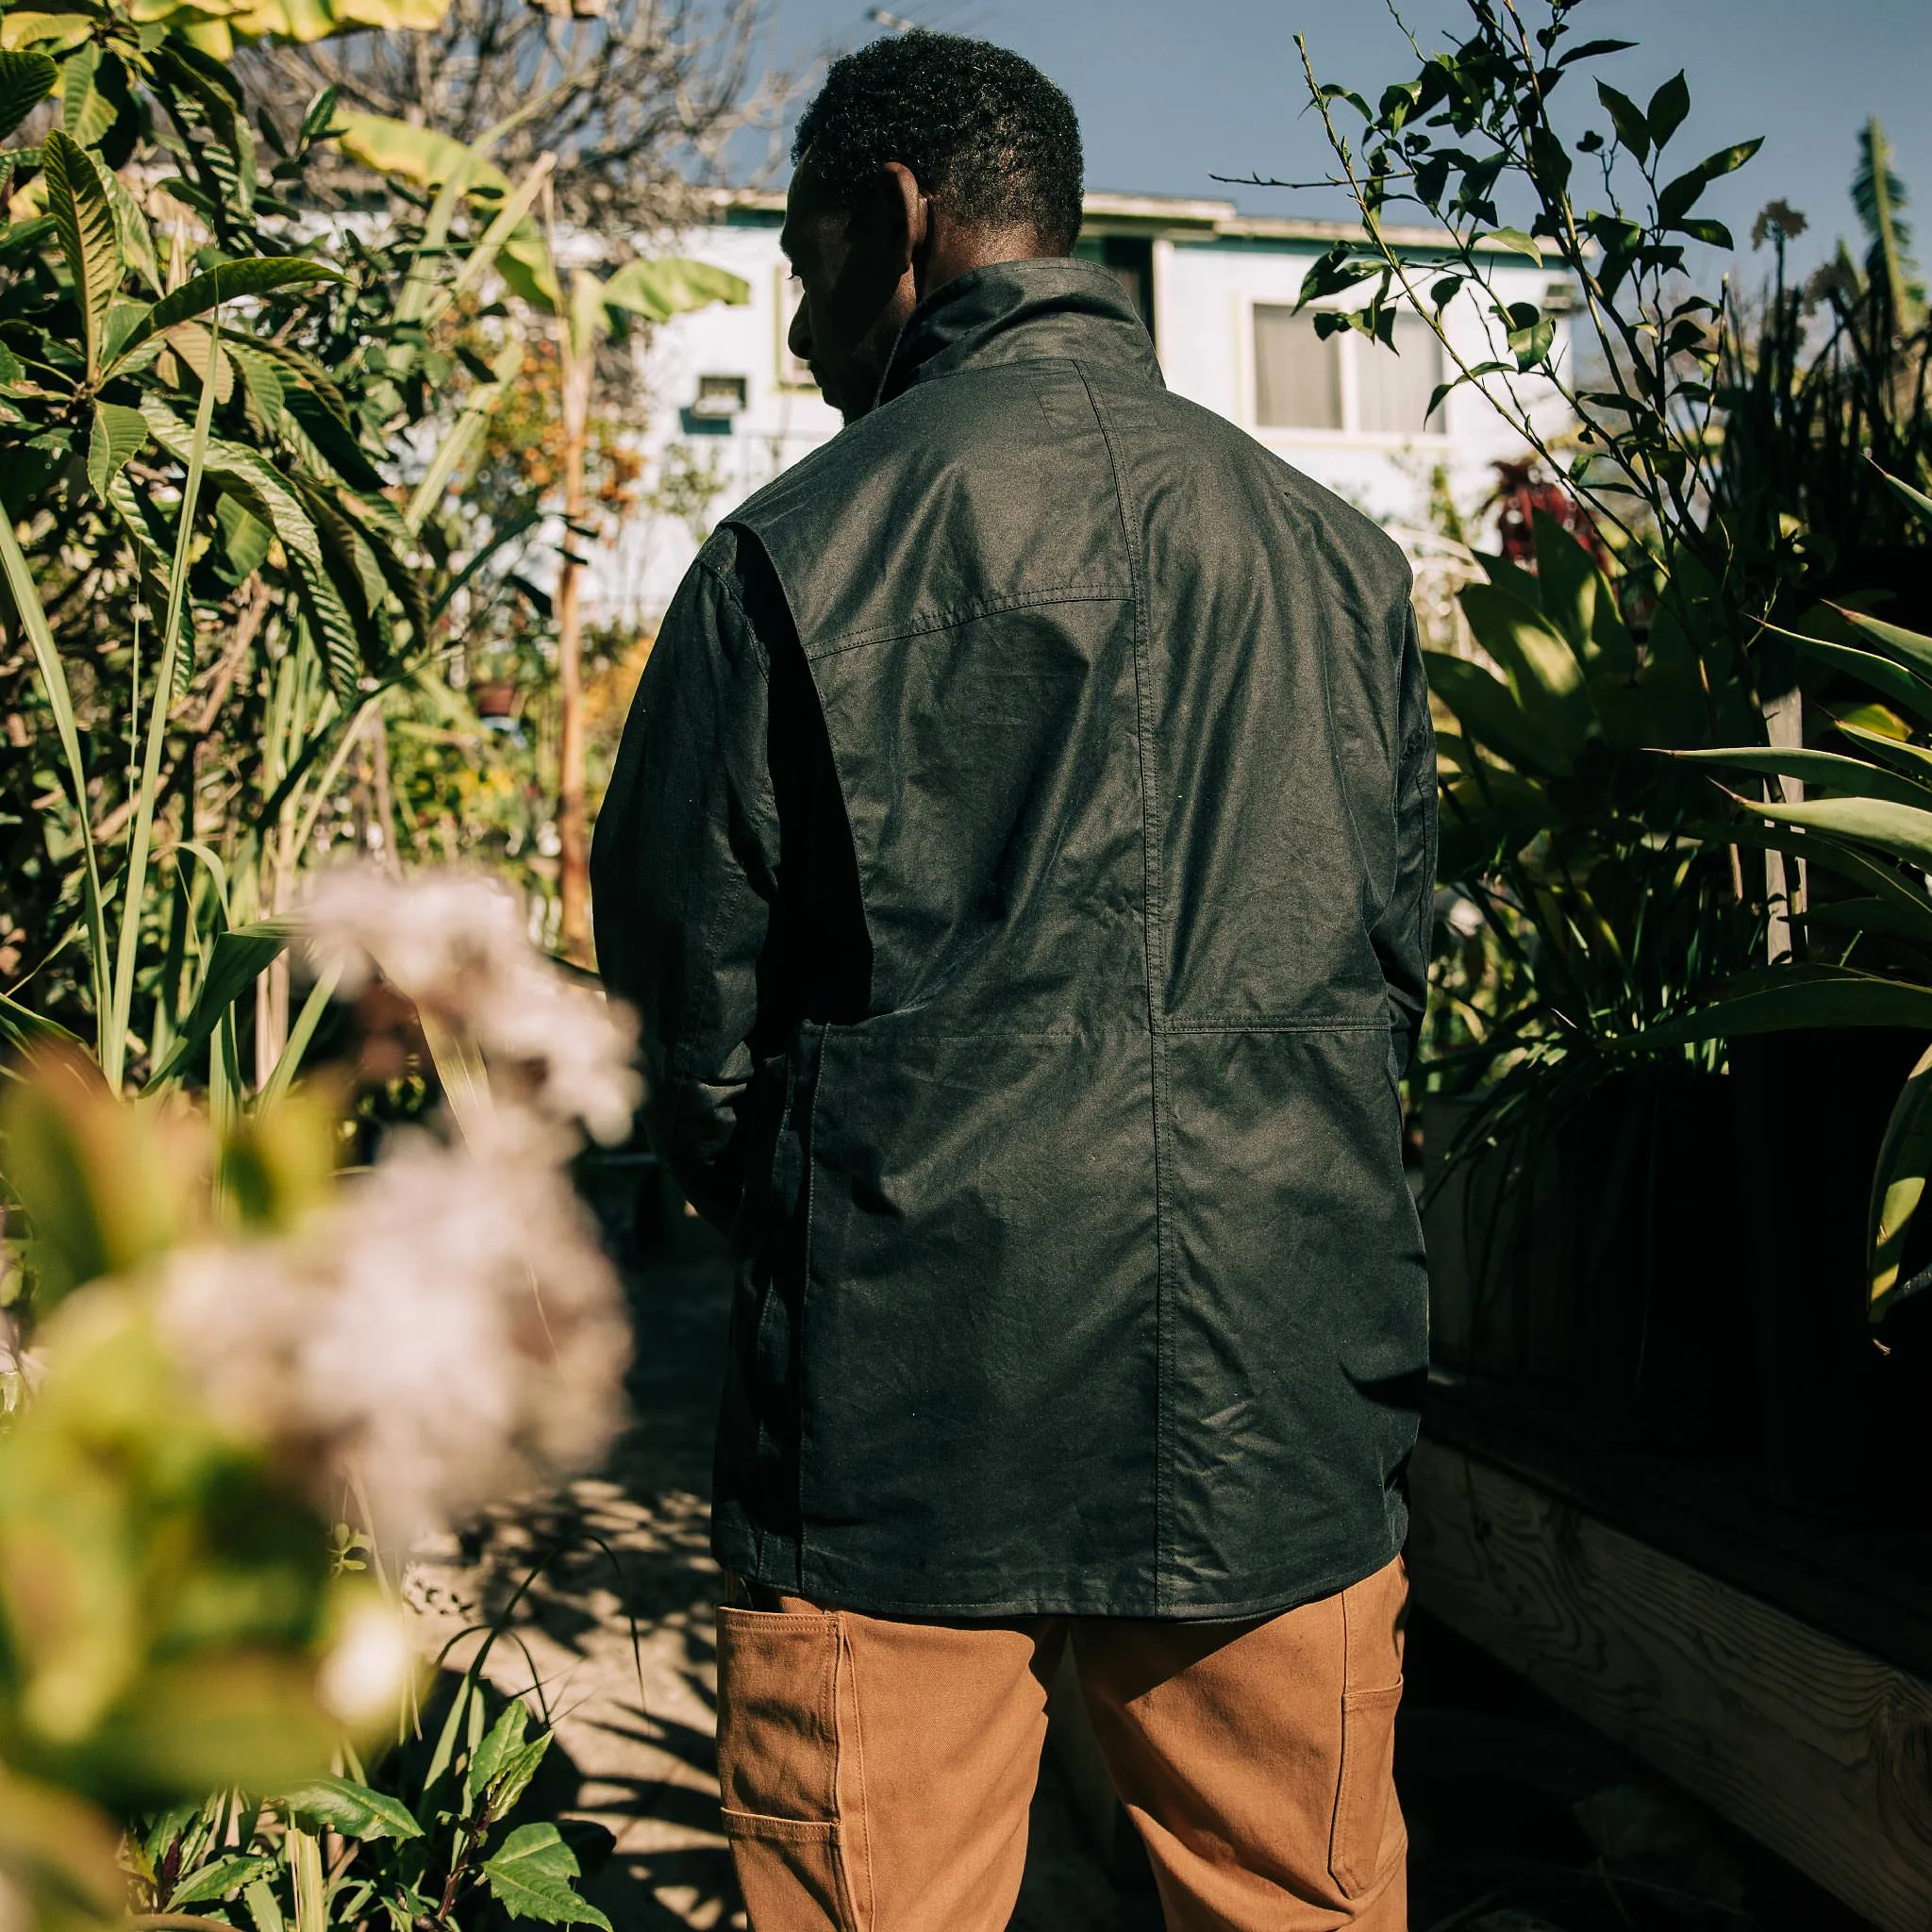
{"x":1077,"y":1269}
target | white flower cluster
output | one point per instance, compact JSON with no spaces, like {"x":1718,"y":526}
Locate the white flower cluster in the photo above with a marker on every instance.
{"x":445,"y":1332}
{"x":453,"y":943}
{"x":448,"y":1329}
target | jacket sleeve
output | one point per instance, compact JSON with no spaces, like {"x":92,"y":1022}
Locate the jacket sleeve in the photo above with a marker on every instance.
{"x":683,"y":873}
{"x":1403,"y":933}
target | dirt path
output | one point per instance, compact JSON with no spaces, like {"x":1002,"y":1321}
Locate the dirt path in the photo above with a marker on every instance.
{"x":618,"y":1636}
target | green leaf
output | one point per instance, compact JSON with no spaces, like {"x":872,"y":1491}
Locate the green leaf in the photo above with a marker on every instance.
{"x":1677,"y":198}
{"x":1879,"y":879}
{"x":514,"y":1779}
{"x":1523,"y":585}
{"x":84,"y":220}
{"x":219,"y":1877}
{"x":118,"y":435}
{"x":238,"y":957}
{"x":352,"y":1808}
{"x":25,"y":80}
{"x":258,"y":481}
{"x":1531,"y":334}
{"x":1912,"y":648}
{"x":530,"y":1878}
{"x":1330,"y":274}
{"x":264,"y":1907}
{"x":261,"y":378}
{"x":86,"y":112}
{"x":1787,"y":999}
{"x":1515,"y":240}
{"x":1568,"y":587}
{"x":506,"y":1738}
{"x":1668,"y":107}
{"x":1914,"y":761}
{"x":1868,"y":915}
{"x":659,"y":290}
{"x":1914,"y":500}
{"x":1891,"y":680}
{"x":1633,"y":130}
{"x":1903,"y":831}
{"x":1541,"y":669}
{"x":135,"y":238}
{"x":1485,"y":708}
{"x":31,"y":615}
{"x":1851,"y":775}
{"x":416,"y":154}
{"x":26,"y":1033}
{"x":1595,"y":50}
{"x":229,"y":281}
{"x":1898,"y":1185}
{"x":245,"y":536}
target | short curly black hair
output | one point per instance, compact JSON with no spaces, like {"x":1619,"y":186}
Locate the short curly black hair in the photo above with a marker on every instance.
{"x":977,"y":125}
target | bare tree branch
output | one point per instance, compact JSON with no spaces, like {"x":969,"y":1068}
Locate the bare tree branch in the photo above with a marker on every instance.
{"x":645,"y":103}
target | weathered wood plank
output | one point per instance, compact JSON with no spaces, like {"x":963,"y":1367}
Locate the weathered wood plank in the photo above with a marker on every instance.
{"x":1816,"y":1749}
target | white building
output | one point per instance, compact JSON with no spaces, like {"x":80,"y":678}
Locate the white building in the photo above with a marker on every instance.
{"x":1217,"y":290}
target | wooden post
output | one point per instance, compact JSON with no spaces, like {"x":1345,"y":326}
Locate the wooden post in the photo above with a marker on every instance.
{"x":576,"y":364}
{"x":1783,"y":877}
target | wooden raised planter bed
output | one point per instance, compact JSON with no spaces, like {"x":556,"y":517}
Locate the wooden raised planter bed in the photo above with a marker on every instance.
{"x":1777,"y":1668}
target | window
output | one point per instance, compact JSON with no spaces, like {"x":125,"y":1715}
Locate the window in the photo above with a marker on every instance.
{"x":1392,"y":391}
{"x":1297,"y":375}
{"x":1346,"y":383}
{"x":720,"y":396}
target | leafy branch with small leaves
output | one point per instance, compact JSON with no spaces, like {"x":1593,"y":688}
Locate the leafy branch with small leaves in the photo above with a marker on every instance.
{"x":432,"y":1853}
{"x":1474,"y":129}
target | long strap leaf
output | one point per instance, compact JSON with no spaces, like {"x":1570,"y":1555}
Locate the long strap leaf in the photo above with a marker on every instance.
{"x":237,"y":958}
{"x":1899,"y":1185}
{"x":114,"y":1046}
{"x":33,"y":620}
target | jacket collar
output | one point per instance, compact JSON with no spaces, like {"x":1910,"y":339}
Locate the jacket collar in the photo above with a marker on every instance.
{"x":1021,"y":312}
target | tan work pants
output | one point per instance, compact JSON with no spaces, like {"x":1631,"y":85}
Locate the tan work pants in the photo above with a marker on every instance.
{"x":877,"y":1772}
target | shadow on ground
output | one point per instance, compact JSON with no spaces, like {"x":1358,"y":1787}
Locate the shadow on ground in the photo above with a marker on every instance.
{"x":1521,"y":1820}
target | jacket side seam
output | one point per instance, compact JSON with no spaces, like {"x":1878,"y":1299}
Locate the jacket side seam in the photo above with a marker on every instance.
{"x":817,"y":1065}
{"x":930,"y":621}
{"x":1154,"y":952}
{"x":1365,"y":884}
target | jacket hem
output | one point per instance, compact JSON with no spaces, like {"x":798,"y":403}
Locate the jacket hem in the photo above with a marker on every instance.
{"x":1148,"y":1599}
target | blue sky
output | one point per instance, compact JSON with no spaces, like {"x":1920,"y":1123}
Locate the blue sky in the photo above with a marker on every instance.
{"x":1173,"y":92}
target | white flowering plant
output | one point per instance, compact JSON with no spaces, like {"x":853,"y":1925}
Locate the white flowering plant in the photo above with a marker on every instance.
{"x":218,"y":1346}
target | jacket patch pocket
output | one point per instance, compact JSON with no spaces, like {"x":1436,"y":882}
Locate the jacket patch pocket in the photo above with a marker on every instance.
{"x":1359,"y":1851}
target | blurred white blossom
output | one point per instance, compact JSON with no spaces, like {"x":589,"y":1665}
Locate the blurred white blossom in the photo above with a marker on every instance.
{"x":453,"y":943}
{"x":445,"y":1331}
{"x":367,"y":1667}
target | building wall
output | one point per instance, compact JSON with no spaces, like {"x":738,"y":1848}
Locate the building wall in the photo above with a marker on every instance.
{"x":1203,"y":269}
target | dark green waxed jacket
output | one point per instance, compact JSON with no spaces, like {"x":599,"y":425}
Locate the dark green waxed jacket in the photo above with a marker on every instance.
{"x":1021,"y":857}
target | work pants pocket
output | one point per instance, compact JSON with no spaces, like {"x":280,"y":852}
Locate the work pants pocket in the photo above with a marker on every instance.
{"x":1361,"y":1846}
{"x":778,"y":1768}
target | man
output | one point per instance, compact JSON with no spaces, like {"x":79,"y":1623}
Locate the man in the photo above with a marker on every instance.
{"x":1021,"y":856}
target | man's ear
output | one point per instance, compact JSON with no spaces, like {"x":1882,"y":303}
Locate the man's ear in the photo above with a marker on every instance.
{"x":909,"y":214}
